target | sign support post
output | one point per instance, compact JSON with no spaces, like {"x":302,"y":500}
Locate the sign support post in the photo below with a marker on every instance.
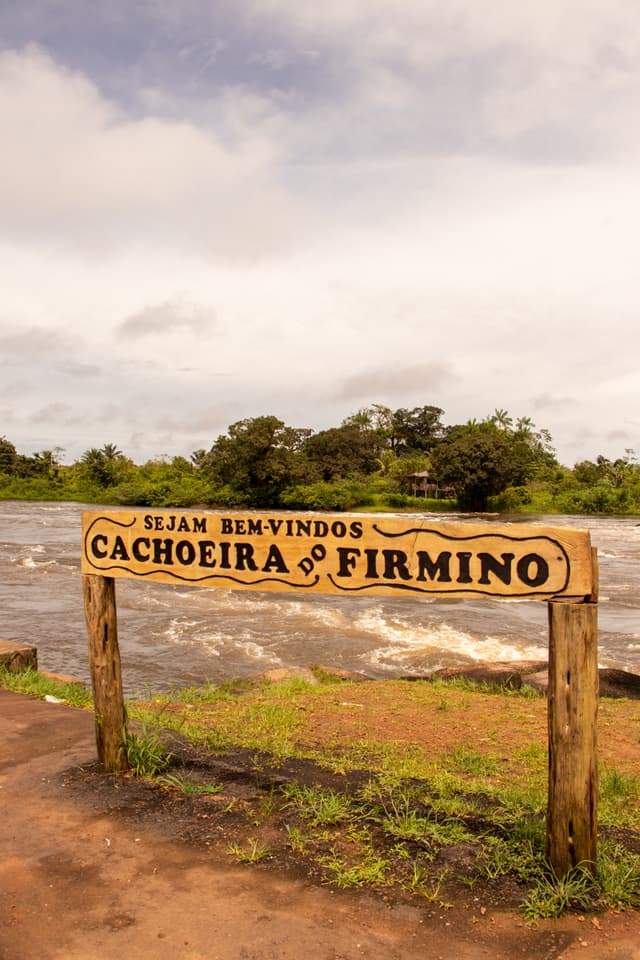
{"x":106,"y":674}
{"x":572,"y":710}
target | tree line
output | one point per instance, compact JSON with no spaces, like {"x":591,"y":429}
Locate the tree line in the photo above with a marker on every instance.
{"x":372,"y":459}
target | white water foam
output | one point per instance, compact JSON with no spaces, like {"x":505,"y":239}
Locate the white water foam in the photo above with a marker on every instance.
{"x":406,"y":643}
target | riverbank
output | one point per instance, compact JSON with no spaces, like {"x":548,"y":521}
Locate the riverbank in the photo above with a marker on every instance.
{"x":242,"y":803}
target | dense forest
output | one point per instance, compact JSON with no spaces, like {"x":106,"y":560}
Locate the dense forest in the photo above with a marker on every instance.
{"x":377,"y":458}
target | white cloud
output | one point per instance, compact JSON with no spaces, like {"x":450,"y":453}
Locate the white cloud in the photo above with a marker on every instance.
{"x":77,"y":170}
{"x":442,"y":199}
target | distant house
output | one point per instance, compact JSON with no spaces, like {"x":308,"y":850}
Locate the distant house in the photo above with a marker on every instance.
{"x":423,"y":486}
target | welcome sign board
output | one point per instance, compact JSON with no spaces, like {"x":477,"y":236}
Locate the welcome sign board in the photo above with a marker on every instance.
{"x":358,"y":555}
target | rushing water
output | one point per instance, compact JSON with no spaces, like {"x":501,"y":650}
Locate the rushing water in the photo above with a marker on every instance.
{"x":176,"y":636}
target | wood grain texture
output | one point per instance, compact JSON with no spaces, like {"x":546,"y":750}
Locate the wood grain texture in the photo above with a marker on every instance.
{"x":359,"y":555}
{"x":572,"y":809}
{"x":106,"y":673}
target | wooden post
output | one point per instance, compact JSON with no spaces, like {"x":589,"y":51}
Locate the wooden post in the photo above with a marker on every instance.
{"x":106,"y":677}
{"x":572,"y":810}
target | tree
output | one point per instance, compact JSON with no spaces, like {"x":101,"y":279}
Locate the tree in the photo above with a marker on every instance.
{"x":8,"y":456}
{"x":478,"y":462}
{"x":345,"y":451}
{"x":416,"y":431}
{"x":105,"y":467}
{"x":257,"y":459}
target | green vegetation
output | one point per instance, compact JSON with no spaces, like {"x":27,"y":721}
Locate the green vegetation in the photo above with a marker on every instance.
{"x":361,"y":808}
{"x":36,"y":684}
{"x":376,"y":459}
{"x":395,"y":807}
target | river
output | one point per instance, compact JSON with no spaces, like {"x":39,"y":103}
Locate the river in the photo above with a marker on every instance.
{"x":180,"y":636}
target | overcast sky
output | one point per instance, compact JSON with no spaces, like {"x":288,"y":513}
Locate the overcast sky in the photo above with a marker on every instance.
{"x":219,"y":210}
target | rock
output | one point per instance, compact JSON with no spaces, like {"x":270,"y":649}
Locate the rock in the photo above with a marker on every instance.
{"x":17,"y":657}
{"x":535,"y":673}
{"x":619,"y":683}
{"x":539,"y":681}
{"x":502,"y":674}
{"x":61,"y":677}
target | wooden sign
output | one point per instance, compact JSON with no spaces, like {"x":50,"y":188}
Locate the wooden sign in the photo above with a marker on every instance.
{"x":364,"y":555}
{"x":360,"y":556}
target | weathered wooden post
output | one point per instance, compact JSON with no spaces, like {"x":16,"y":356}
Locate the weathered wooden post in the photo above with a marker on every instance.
{"x":106,"y":675}
{"x":572,"y":808}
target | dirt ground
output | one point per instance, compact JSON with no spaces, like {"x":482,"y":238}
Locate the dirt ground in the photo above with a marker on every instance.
{"x":93,"y":867}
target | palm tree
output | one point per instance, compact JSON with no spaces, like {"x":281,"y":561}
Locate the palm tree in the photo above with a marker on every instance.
{"x":501,"y":419}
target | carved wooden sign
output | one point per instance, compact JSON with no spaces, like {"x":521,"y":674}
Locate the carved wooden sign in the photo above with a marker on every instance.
{"x":322,"y":553}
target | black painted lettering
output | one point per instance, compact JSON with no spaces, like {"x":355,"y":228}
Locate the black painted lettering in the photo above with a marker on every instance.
{"x":463,"y":567}
{"x":95,"y":549}
{"x":119,"y":551}
{"x":372,"y":569}
{"x":185,"y":552}
{"x":244,"y":557}
{"x":136,"y":549}
{"x":163,"y":551}
{"x":429,"y":569}
{"x":183,"y":526}
{"x":207,"y":548}
{"x":347,"y":557}
{"x":199,"y":524}
{"x":225,"y":549}
{"x":274,"y":525}
{"x":395,"y":563}
{"x":255,"y":527}
{"x":339,"y":529}
{"x":226,"y":525}
{"x":275,"y":561}
{"x":148,"y":521}
{"x":172,"y":523}
{"x":541,"y":574}
{"x":500,"y":568}
{"x":355,"y":529}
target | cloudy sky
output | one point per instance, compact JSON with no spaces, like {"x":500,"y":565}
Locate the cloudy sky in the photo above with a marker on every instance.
{"x":224,"y":209}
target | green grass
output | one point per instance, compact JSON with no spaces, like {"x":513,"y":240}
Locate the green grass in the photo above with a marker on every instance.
{"x":36,"y":684}
{"x":414,"y":805}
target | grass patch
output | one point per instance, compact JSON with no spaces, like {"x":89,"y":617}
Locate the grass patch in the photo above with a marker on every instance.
{"x":36,"y":684}
{"x":425,"y":787}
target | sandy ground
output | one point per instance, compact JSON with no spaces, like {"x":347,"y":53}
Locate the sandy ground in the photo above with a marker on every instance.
{"x":81,"y":881}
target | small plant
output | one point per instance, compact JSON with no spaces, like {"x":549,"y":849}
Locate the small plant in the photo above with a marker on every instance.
{"x":552,"y":896}
{"x":296,"y":839}
{"x":320,"y":807}
{"x":146,"y":756}
{"x":254,"y":851}
{"x":371,"y":869}
{"x":172,"y":782}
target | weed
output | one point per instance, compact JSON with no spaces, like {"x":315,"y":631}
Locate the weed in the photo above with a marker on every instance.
{"x":297,"y":841}
{"x":172,"y":782}
{"x":254,"y":851}
{"x":320,"y":807}
{"x":371,"y":869}
{"x":146,"y":756}
{"x":552,"y":896}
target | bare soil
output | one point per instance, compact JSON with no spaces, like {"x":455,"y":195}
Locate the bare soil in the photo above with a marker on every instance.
{"x":96,"y":867}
